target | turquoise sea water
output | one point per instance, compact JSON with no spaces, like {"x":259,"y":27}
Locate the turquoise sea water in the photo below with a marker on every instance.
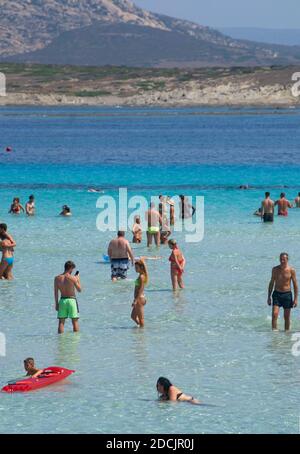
{"x":213,"y":339}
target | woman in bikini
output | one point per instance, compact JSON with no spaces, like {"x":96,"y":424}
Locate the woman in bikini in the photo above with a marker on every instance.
{"x":139,"y":302}
{"x":177,"y":265}
{"x":167,"y":391}
{"x":16,"y":207}
{"x":7,"y":247}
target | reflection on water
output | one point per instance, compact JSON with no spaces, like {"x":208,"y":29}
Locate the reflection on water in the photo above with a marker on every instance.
{"x":67,"y":349}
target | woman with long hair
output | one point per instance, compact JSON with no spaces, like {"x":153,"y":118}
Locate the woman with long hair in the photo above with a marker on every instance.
{"x":139,"y":302}
{"x":167,"y":391}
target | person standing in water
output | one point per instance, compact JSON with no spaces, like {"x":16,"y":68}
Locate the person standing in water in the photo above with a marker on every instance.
{"x":169,"y":392}
{"x":7,"y":246}
{"x":283,"y":205}
{"x":185,"y":208}
{"x":119,"y":252}
{"x":267,"y":209}
{"x":16,"y":207}
{"x":297,"y":201}
{"x":177,"y":265}
{"x":30,"y":206}
{"x":154,"y":221}
{"x":282,"y":276}
{"x":171,"y":204}
{"x":67,"y":305}
{"x":137,"y":230}
{"x":139,"y":302}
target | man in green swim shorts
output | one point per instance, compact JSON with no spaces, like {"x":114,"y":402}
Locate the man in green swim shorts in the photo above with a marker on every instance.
{"x":154,"y":221}
{"x":67,"y":306}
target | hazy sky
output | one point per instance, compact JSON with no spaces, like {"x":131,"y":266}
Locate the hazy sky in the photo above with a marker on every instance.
{"x":230,"y":13}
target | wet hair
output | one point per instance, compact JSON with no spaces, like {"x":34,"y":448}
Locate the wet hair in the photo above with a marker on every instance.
{"x":121,"y":233}
{"x":16,"y":199}
{"x":268,"y":194}
{"x":66,"y":208}
{"x":142,"y":265}
{"x":29,"y":361}
{"x":31,"y":197}
{"x":282,"y":195}
{"x":165,"y":383}
{"x":69,"y":265}
{"x":172,"y":243}
{"x":284,"y":253}
{"x":299,"y":194}
{"x":3,"y":227}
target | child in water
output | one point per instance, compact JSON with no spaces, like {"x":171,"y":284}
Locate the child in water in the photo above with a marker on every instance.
{"x":30,"y":368}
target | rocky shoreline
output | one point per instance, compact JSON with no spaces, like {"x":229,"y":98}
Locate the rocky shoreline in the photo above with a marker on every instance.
{"x":259,"y":87}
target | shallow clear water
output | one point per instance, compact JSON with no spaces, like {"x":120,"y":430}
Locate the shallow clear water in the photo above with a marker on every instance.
{"x":213,"y":340}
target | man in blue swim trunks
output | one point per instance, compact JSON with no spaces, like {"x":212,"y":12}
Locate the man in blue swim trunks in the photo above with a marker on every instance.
{"x":66,"y":305}
{"x":119,"y":251}
{"x":282,"y":277}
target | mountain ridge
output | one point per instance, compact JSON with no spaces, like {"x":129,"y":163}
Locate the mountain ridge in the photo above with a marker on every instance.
{"x":105,"y":32}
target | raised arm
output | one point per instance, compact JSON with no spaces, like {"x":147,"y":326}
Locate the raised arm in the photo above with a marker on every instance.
{"x":76,"y":280}
{"x":271,"y":286}
{"x":295,"y":285}
{"x":10,"y":238}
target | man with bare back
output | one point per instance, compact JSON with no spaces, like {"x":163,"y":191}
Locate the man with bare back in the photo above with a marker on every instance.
{"x":66,"y":305}
{"x":282,"y":276}
{"x":283,"y":205}
{"x":267,"y":209}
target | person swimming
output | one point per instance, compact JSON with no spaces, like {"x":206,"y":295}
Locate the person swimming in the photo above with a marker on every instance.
{"x":139,"y":302}
{"x":169,"y":392}
{"x":66,"y":211}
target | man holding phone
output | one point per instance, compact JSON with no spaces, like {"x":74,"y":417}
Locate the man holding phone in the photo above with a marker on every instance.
{"x":67,"y":307}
